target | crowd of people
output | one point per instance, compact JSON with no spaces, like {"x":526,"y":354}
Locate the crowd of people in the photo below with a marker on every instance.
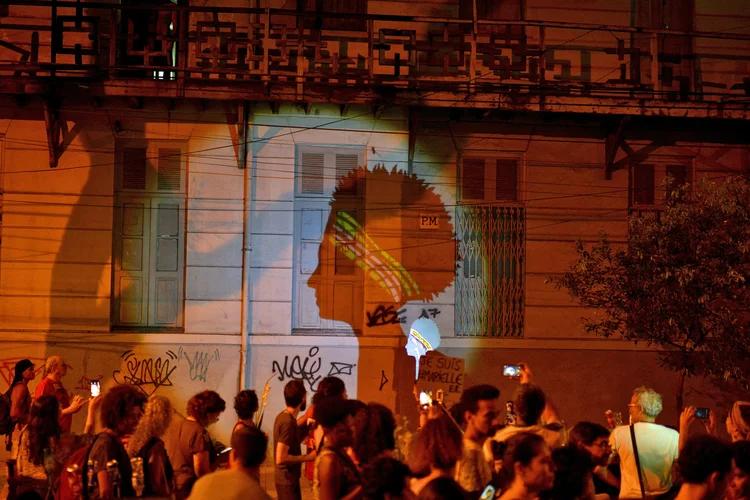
{"x":347,"y":448}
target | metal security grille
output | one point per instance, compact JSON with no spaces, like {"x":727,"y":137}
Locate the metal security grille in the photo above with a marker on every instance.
{"x":490,"y":274}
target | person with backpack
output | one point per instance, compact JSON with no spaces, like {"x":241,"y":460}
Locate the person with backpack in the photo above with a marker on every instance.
{"x":17,"y":401}
{"x":121,"y":410}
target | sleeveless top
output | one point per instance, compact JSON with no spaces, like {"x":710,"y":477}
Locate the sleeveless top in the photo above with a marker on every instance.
{"x":350,"y":477}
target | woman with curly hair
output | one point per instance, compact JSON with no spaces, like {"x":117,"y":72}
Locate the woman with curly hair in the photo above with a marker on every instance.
{"x":122,"y":407}
{"x":374,"y":433}
{"x":146,"y":443}
{"x":329,"y":387}
{"x":434,"y":454}
{"x":188,"y":443}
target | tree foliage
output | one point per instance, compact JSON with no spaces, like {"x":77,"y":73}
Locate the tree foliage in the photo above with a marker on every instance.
{"x":679,"y":282}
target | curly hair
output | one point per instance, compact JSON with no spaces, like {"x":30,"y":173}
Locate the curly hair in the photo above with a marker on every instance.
{"x":117,"y":404}
{"x":329,"y":387}
{"x":422,"y":271}
{"x":246,"y":404}
{"x":374,"y":432}
{"x":44,"y":424}
{"x":701,"y":457}
{"x":203,"y":404}
{"x":383,"y":478}
{"x":439,"y":445}
{"x":155,"y":420}
{"x":649,"y":400}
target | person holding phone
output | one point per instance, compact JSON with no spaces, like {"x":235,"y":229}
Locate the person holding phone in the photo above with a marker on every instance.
{"x":51,"y":385}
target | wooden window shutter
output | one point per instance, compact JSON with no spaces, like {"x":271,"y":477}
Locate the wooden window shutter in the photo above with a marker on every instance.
{"x":643,"y":184}
{"x":134,"y":167}
{"x":472,"y":179}
{"x":506,"y":180}
{"x":345,"y":163}
{"x":168,"y":174}
{"x":312,"y":178}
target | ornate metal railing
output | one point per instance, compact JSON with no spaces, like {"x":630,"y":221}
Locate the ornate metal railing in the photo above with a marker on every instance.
{"x":305,"y":51}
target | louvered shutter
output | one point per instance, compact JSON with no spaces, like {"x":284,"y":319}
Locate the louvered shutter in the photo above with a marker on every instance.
{"x":472,"y":179}
{"x":168,"y":170}
{"x":506,"y":180}
{"x":346,"y":163}
{"x":643,"y":184}
{"x":312,"y":174}
{"x":134,"y":168}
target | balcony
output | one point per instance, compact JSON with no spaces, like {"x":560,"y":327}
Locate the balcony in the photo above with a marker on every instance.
{"x":274,"y":55}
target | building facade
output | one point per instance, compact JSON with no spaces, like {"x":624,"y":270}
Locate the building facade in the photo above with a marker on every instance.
{"x":231,"y":196}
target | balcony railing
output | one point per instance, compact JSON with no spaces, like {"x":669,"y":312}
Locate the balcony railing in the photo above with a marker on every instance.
{"x":335,"y":56}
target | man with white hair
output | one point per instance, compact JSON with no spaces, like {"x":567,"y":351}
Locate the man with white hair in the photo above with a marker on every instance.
{"x":657,"y":447}
{"x":51,"y":385}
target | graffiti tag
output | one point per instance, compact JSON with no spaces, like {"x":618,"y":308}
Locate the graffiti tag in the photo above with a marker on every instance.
{"x":386,"y":316}
{"x":306,"y":369}
{"x":147,"y":374}
{"x":199,"y":363}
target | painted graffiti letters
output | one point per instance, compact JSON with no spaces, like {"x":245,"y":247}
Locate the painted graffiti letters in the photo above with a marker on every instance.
{"x":340,"y":369}
{"x":148,"y":374}
{"x":199,"y":363}
{"x":300,"y":369}
{"x":386,"y":316}
{"x":429,"y":313}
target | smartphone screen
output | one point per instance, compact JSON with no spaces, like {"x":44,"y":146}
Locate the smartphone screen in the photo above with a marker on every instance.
{"x":702,"y":412}
{"x":95,"y":389}
{"x":512,"y":371}
{"x":488,"y":493}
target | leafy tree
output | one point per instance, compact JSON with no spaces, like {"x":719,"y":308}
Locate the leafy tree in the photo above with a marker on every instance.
{"x":680,"y":282}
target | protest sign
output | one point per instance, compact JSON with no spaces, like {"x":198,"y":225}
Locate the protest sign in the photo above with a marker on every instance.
{"x":439,"y":372}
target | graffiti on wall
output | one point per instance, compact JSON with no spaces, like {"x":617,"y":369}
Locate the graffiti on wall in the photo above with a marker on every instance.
{"x":146,"y":372}
{"x":309,"y":368}
{"x":198,"y":362}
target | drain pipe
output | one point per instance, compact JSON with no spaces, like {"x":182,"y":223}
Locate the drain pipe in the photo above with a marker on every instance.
{"x":243,"y":117}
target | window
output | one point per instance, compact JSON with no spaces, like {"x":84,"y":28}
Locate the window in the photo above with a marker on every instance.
{"x":489,"y":179}
{"x":149,"y":234}
{"x":496,"y":10}
{"x":490,"y":290}
{"x":338,"y":7}
{"x":328,"y":286}
{"x":647,"y":182}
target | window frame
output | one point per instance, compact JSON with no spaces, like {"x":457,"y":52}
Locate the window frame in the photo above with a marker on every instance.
{"x":490,"y":179}
{"x":150,"y":196}
{"x":660,"y":165}
{"x":309,"y":201}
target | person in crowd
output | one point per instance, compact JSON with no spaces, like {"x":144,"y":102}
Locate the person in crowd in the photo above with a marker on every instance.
{"x":238,"y":481}
{"x":704,"y":466}
{"x":385,"y":478}
{"x":40,"y":437}
{"x":188,"y":443}
{"x":19,"y":395}
{"x":336,"y":475}
{"x":146,"y":443}
{"x":573,"y":471}
{"x":442,"y":488}
{"x":245,"y":404}
{"x":529,"y":467}
{"x":593,"y":439}
{"x":534,"y":412}
{"x":329,"y":387}
{"x":121,"y":410}
{"x":288,"y":458}
{"x":739,"y":485}
{"x":738,"y":421}
{"x":51,"y":385}
{"x":479,"y":405}
{"x":374,"y":434}
{"x":435,"y":453}
{"x":657,"y":447}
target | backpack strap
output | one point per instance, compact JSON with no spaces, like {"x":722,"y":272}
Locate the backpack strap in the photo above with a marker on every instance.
{"x":637,"y":461}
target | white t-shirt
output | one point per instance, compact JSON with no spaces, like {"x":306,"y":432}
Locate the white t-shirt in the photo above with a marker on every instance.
{"x":657,"y":450}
